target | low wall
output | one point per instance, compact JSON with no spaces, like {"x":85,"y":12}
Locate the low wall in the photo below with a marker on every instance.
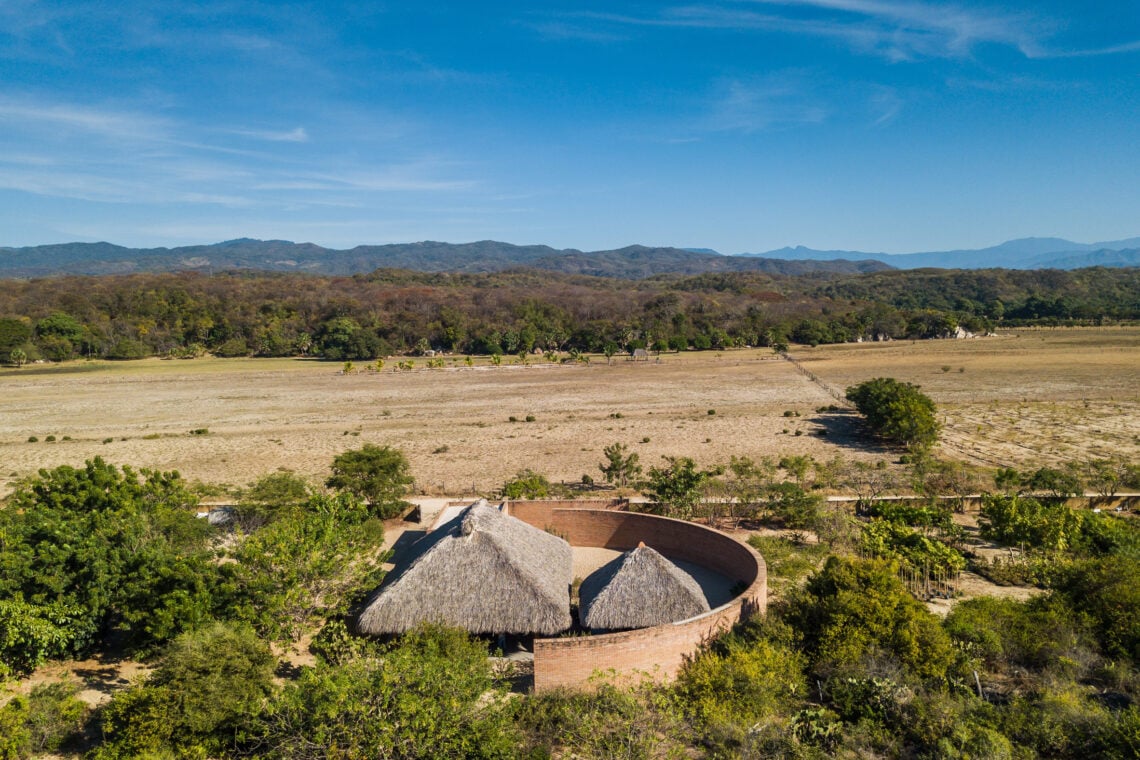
{"x":660,"y":651}
{"x":540,"y":512}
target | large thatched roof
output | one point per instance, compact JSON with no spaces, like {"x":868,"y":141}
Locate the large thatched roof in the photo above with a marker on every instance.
{"x":639,"y":589}
{"x":483,"y":571}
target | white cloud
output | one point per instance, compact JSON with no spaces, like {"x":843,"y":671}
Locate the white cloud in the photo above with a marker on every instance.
{"x":750,"y":105}
{"x":108,"y":123}
{"x":297,"y":135}
{"x":895,"y":30}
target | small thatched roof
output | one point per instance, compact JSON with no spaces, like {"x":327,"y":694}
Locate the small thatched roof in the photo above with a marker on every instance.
{"x":637,"y":590}
{"x":483,"y":571}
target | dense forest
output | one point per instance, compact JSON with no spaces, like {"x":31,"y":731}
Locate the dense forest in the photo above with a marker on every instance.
{"x":398,"y":312}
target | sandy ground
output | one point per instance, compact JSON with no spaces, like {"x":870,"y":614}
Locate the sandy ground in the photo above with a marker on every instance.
{"x":1028,"y":397}
{"x":1015,"y":399}
{"x":453,"y":423}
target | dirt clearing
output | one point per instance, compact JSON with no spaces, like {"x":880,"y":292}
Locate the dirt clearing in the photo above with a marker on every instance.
{"x":1019,"y":399}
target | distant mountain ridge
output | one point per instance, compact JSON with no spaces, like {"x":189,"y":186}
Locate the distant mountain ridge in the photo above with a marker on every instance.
{"x":1025,"y":253}
{"x":632,"y":262}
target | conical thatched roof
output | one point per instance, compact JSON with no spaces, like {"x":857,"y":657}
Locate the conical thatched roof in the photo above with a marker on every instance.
{"x":637,"y":590}
{"x":483,"y":571}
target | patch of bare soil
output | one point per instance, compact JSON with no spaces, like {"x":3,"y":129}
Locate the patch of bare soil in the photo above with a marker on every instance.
{"x":98,"y":678}
{"x":1021,"y":398}
{"x":453,"y":423}
{"x":971,"y":585}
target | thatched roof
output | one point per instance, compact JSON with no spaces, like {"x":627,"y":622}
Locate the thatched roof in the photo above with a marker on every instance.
{"x":483,"y":571}
{"x":639,"y":589}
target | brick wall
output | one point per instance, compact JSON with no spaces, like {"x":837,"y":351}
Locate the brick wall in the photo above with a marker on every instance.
{"x":539,"y":512}
{"x":660,"y":651}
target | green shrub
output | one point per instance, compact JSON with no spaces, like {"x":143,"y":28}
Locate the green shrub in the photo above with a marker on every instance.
{"x":601,"y":722}
{"x":730,"y":691}
{"x":209,"y":686}
{"x":853,"y":609}
{"x":897,"y":411}
{"x":889,"y":540}
{"x":429,"y":695}
{"x":526,"y":484}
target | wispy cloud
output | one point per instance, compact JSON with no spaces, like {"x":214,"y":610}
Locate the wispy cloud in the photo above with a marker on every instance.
{"x":898,"y":31}
{"x":1127,"y":47}
{"x":105,"y":122}
{"x":567,"y":30}
{"x":887,"y":104}
{"x":777,"y":100}
{"x":297,"y":135}
{"x":119,"y":155}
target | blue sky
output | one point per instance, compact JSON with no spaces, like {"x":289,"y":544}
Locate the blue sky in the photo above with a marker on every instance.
{"x":741,"y":125}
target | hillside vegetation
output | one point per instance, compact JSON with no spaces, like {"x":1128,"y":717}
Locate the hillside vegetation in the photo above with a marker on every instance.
{"x":400,"y":312}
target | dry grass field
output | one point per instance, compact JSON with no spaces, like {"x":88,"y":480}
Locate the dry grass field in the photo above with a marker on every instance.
{"x":1018,"y":398}
{"x":1025,"y":397}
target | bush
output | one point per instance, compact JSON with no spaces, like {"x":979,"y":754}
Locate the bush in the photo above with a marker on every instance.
{"x":1107,"y":590}
{"x":897,"y":411}
{"x":852,"y":610}
{"x":728,"y":692}
{"x":1006,"y":634}
{"x":1026,"y":521}
{"x":526,"y":484}
{"x":209,"y":686}
{"x":888,"y":540}
{"x":429,"y":695}
{"x":126,"y":349}
{"x":601,"y":722}
{"x":54,"y":717}
{"x":234,"y":347}
{"x":378,"y":474}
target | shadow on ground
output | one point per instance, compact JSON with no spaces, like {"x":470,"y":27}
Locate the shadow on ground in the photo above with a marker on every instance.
{"x":846,"y":428}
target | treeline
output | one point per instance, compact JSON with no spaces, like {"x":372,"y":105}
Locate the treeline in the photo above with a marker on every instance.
{"x":394,"y":312}
{"x":1010,"y":296}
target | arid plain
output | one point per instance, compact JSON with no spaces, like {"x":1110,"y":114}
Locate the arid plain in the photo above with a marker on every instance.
{"x":1017,"y":398}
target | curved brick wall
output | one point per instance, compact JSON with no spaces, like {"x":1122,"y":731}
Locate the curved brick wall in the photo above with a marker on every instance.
{"x":659,"y":651}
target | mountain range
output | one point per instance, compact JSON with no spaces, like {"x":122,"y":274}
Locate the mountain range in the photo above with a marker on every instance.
{"x":631,"y":262}
{"x":1025,"y":253}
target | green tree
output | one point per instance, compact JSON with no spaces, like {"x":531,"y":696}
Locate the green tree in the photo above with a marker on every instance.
{"x":309,"y":565}
{"x":679,"y":486}
{"x":14,"y":333}
{"x":1026,"y":521}
{"x":378,"y":474}
{"x":853,"y":611}
{"x":897,"y":411}
{"x":728,"y":690}
{"x":429,"y":695}
{"x":200,"y":700}
{"x":271,"y":497}
{"x":30,"y":634}
{"x":1060,"y":484}
{"x":98,"y":550}
{"x":621,"y":465}
{"x":526,"y":484}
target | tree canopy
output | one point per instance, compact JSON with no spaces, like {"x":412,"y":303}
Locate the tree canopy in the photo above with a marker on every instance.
{"x":378,"y":474}
{"x":897,"y":411}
